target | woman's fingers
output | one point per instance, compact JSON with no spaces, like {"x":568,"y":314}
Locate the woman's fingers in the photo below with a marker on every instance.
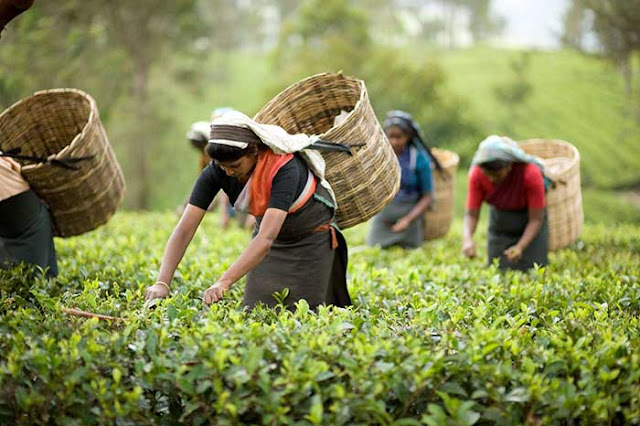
{"x":155,"y":292}
{"x":213,"y":294}
{"x":513,"y":254}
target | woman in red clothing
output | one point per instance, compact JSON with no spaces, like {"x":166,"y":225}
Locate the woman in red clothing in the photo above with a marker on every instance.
{"x":512,"y":183}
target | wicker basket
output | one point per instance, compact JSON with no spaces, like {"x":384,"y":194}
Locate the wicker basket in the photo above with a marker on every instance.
{"x":438,"y":221}
{"x":564,"y":199}
{"x":363,"y":183}
{"x":61,"y":124}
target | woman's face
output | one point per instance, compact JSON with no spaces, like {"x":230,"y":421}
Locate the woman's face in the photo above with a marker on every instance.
{"x":497,"y":176}
{"x":398,"y":138}
{"x":240,"y":169}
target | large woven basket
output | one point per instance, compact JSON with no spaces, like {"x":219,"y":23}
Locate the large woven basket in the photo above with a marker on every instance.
{"x":564,"y":199}
{"x":63,"y":124}
{"x":363,"y":183}
{"x":439,"y":219}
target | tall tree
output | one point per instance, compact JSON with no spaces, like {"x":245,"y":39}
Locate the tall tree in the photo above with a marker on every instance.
{"x":144,"y":30}
{"x":575,"y":26}
{"x":616,"y":23}
{"x":482,"y":22}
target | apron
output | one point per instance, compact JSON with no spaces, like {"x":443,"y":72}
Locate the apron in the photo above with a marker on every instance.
{"x":303,"y":260}
{"x":380,"y":231}
{"x":26,"y":234}
{"x":505,"y":229}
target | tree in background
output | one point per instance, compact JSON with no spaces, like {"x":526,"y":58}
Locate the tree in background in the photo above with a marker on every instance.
{"x":145,"y":31}
{"x":616,"y":24}
{"x":576,"y":26}
{"x":483,"y":24}
{"x":333,"y":35}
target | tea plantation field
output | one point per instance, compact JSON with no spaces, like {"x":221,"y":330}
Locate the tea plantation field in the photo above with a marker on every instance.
{"x":432,"y":339}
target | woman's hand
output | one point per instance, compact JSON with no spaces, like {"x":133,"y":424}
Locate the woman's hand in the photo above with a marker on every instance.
{"x":469,"y":248}
{"x":173,"y":252}
{"x":215,"y":292}
{"x":156,"y":291}
{"x":513,"y":253}
{"x":401,"y":225}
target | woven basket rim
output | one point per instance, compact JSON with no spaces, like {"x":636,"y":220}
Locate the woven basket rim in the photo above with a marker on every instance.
{"x":574,"y":156}
{"x":361,"y":97}
{"x":453,"y":159}
{"x":575,"y":153}
{"x":319,"y":76}
{"x":92,"y":116}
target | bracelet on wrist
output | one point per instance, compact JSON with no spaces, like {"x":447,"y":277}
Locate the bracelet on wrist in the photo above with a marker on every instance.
{"x":164,"y":284}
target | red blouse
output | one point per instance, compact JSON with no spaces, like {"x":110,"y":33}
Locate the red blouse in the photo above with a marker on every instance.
{"x":522,"y":188}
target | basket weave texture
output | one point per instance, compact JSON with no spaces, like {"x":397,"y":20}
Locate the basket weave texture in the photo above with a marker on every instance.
{"x":62,"y":124}
{"x":363,"y":183}
{"x":564,"y":199}
{"x":438,"y":220}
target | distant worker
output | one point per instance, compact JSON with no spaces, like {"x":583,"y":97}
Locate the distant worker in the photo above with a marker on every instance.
{"x":401,"y":223}
{"x":512,"y":183}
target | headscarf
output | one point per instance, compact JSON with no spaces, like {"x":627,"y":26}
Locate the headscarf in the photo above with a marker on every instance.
{"x":199,"y":132}
{"x":275,"y":137}
{"x":219,"y":112}
{"x":405,"y":121}
{"x":506,"y":149}
{"x":502,"y":148}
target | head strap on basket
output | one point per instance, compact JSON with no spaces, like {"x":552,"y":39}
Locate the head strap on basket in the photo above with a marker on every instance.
{"x":239,"y":137}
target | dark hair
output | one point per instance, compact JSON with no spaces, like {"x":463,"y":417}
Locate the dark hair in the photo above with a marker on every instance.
{"x":495,"y":165}
{"x":198,"y":144}
{"x":228,"y":154}
{"x":406,"y":131}
{"x":400,"y":123}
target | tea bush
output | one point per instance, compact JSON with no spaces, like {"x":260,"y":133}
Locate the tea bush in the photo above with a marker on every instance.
{"x":431,"y":339}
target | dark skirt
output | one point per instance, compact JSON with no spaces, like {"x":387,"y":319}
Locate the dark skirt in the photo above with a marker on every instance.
{"x":26,"y":234}
{"x":303,"y":261}
{"x":380,"y":229}
{"x":506,"y":229}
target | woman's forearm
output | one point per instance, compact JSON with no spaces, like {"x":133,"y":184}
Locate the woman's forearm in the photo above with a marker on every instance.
{"x":530,"y":233}
{"x":249,"y":259}
{"x":258,"y":248}
{"x":173,"y":253}
{"x":420,"y":208}
{"x":179,"y":241}
{"x":470,"y":224}
{"x":536,"y":219}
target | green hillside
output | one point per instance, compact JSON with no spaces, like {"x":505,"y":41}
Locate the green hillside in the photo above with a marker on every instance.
{"x":575,"y":98}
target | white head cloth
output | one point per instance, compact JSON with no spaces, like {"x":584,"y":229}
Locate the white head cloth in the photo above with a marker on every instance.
{"x":280,"y":142}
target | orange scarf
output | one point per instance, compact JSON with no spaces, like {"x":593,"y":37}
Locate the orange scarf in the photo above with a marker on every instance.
{"x":255,"y":196}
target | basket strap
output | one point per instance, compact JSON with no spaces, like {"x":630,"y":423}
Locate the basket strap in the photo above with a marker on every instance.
{"x":321,"y":145}
{"x":67,"y":163}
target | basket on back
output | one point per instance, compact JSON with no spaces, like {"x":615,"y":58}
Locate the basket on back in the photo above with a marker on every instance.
{"x":564,"y":199}
{"x":438,"y":220}
{"x":61,"y":125}
{"x":363,"y":183}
